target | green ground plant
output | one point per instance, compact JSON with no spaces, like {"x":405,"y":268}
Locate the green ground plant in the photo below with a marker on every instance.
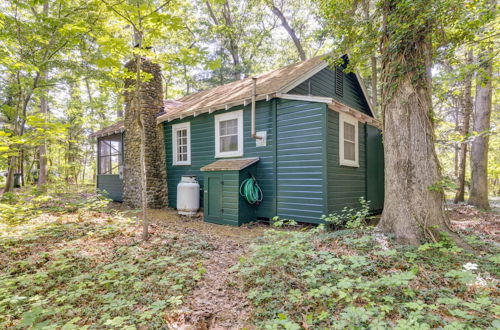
{"x":349,"y":279}
{"x":349,"y":217}
{"x":80,"y":265}
{"x":24,"y":205}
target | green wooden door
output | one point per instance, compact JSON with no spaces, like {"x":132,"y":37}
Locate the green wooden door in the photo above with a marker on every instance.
{"x":213,"y":198}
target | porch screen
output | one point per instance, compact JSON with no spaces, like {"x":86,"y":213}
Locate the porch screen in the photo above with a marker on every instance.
{"x":110,"y":155}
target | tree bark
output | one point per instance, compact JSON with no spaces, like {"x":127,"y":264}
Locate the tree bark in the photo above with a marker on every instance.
{"x":9,"y":183}
{"x":42,"y":177}
{"x":467,"y":110}
{"x":413,"y":210}
{"x":42,"y":149}
{"x":479,"y":149}
{"x":231,"y":44}
{"x":138,"y":34}
{"x":374,"y":83}
{"x":373,"y":61}
{"x":291,"y":32}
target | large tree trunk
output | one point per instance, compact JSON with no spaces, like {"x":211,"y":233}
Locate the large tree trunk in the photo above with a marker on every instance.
{"x":467,"y":110}
{"x":291,"y":32}
{"x":414,"y":202}
{"x":479,"y":149}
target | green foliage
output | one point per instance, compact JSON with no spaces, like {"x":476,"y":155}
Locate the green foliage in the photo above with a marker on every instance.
{"x":350,"y":218}
{"x":346,"y":279}
{"x":277,"y":222}
{"x":445,"y":184}
{"x":69,"y":270}
{"x":24,"y":205}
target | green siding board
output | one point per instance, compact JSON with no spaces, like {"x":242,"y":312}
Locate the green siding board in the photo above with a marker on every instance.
{"x":298,"y":171}
{"x":345,"y":184}
{"x":203,"y":152}
{"x":323,"y":84}
{"x":112,"y":185}
{"x":300,"y":141}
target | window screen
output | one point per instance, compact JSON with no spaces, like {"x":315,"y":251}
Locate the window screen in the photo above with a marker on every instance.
{"x":110,"y":155}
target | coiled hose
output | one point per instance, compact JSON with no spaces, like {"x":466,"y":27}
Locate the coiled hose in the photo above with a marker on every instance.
{"x":251,"y":191}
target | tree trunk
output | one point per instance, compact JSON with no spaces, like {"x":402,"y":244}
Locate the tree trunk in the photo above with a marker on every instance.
{"x":21,"y":167}
{"x":414,"y":202}
{"x":374,"y":83}
{"x":42,"y":177}
{"x":467,"y":110}
{"x":373,"y":61}
{"x":233,"y":43}
{"x":479,"y":149}
{"x":9,"y":183}
{"x":291,"y":32}
{"x":138,"y":86}
{"x":42,"y":149}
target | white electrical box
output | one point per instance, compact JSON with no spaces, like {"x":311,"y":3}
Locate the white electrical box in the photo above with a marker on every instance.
{"x":262,"y":142}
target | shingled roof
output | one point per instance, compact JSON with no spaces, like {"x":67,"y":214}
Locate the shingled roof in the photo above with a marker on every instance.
{"x":240,"y":91}
{"x":116,"y":128}
{"x":268,"y":85}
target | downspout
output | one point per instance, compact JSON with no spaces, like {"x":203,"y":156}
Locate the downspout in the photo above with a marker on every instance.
{"x":254,"y":94}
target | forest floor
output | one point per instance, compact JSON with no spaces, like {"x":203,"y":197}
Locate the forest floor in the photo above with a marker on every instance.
{"x":68,"y":260}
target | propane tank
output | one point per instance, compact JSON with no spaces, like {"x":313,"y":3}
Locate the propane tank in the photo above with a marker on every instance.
{"x":188,"y":196}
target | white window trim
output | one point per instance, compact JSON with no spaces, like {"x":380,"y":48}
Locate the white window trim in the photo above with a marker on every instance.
{"x":353,"y":121}
{"x":175,"y":128}
{"x":228,"y":116}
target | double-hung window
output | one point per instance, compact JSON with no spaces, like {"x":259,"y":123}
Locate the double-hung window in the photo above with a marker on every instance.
{"x":110,"y":155}
{"x":229,"y":134}
{"x":348,"y":139}
{"x":181,"y":143}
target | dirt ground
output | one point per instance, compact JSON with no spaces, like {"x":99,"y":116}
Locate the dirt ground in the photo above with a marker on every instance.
{"x":466,"y":217}
{"x":217,"y":303}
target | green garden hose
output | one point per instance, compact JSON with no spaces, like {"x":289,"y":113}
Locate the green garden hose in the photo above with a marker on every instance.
{"x":251,"y":191}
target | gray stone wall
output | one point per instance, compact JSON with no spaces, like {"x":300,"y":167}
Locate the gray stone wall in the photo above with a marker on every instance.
{"x":150,"y":103}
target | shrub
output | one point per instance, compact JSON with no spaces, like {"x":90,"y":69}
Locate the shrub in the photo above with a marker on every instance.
{"x":351,"y":218}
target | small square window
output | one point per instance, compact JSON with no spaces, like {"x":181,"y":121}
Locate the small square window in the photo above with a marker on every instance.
{"x":348,"y":141}
{"x":181,"y":144}
{"x":229,"y":134}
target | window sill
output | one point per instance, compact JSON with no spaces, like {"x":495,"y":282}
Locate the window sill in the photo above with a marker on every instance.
{"x":349,"y":164}
{"x":229,"y":155}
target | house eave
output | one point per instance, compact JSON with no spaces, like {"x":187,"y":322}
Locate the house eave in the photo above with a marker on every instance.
{"x":335,"y":106}
{"x":212,"y":108}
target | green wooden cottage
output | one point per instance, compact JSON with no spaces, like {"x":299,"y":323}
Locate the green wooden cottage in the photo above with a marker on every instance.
{"x":306,"y":132}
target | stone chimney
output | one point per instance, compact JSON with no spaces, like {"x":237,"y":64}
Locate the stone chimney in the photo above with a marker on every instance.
{"x":151,"y":102}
